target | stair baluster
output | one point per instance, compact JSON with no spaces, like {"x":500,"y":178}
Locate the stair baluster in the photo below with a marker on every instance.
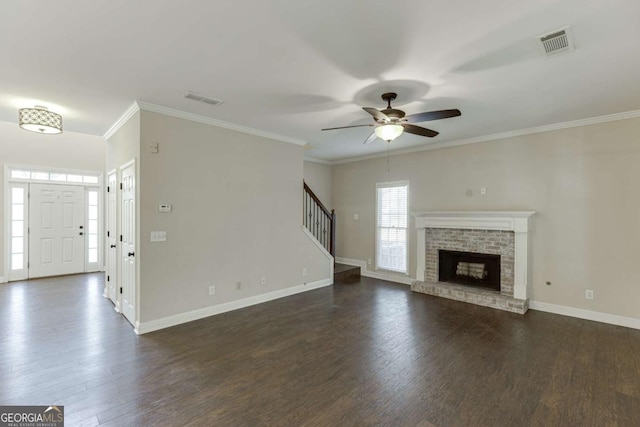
{"x":319,"y":220}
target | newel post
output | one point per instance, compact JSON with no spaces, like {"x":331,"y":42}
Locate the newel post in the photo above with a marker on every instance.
{"x":332,"y":246}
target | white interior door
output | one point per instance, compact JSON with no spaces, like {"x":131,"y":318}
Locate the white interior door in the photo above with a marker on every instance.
{"x":128,"y":241}
{"x":56,"y":236}
{"x":112,"y":241}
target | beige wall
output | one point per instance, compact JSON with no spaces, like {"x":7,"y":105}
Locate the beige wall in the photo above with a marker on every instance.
{"x":237,"y":204}
{"x":124,"y":145}
{"x":581,"y":181}
{"x":68,"y":150}
{"x":318,"y":178}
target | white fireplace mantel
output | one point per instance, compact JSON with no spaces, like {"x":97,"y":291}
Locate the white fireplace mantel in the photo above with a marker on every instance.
{"x":475,"y":220}
{"x":517,"y":221}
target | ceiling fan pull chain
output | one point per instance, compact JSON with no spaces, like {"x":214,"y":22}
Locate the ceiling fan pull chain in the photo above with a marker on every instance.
{"x":388,"y":164}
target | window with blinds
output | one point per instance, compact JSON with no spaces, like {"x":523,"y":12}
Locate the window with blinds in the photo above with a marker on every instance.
{"x":392,"y":204}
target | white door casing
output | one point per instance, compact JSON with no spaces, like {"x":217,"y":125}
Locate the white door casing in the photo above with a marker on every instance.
{"x":17,"y":182}
{"x":112,"y":240}
{"x":56,"y":223}
{"x":128,"y":242}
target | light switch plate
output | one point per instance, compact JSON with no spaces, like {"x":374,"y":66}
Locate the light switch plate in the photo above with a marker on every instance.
{"x":158,"y":236}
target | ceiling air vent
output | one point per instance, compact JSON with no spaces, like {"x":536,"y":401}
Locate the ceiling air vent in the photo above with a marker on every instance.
{"x":203,"y":98}
{"x":556,"y":42}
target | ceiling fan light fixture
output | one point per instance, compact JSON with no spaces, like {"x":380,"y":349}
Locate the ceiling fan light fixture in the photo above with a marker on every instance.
{"x":40,"y":120}
{"x":389,"y":132}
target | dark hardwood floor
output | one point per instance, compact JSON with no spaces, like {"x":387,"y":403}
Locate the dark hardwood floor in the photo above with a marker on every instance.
{"x":358,"y":354}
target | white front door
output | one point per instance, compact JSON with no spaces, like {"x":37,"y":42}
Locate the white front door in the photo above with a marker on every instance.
{"x":112,"y":240}
{"x":128,"y":242}
{"x":56,"y":235}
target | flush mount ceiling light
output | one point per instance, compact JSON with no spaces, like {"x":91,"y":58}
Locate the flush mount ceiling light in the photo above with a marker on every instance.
{"x":39,"y":119}
{"x":389,"y":132}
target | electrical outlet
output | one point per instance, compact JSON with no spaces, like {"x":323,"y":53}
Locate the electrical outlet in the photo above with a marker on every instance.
{"x":263,"y":280}
{"x":369,"y":261}
{"x":158,"y":236}
{"x":304,"y":271}
{"x":483,"y":191}
{"x":212,"y":290}
{"x":238,"y":285}
{"x":588,"y":294}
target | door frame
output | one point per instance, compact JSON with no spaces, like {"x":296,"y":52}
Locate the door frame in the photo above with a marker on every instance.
{"x":9,"y":181}
{"x":112,"y":276}
{"x":136,"y":223}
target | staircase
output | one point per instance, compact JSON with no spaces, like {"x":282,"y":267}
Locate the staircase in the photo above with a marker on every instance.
{"x":322,"y":224}
{"x":319,"y":221}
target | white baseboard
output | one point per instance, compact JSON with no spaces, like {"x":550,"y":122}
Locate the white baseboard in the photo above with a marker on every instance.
{"x":397,"y":278}
{"x":166,"y":322}
{"x":596,"y":316}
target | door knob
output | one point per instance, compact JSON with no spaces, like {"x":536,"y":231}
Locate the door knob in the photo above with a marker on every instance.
{"x":81,"y":227}
{"x":81,"y":233}
{"x":112,"y":246}
{"x":131,"y":254}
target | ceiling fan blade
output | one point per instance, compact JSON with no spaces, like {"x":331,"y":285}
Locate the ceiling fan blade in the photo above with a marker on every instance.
{"x":417,"y":130}
{"x":377,"y":114}
{"x":347,"y":127}
{"x":432,"y":115}
{"x":371,"y":138}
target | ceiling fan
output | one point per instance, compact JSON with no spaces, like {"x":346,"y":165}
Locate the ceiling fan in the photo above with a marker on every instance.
{"x":390,"y":123}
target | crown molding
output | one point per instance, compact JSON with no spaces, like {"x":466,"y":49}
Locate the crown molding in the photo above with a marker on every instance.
{"x":214,"y":122}
{"x":497,"y":136}
{"x":315,"y":160}
{"x":146,"y":106}
{"x":124,"y":118}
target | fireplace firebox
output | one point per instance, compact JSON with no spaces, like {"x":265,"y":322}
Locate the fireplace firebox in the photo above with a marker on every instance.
{"x":468,"y":268}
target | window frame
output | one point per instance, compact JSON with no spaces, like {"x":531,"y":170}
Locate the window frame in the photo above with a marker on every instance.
{"x":391,"y":184}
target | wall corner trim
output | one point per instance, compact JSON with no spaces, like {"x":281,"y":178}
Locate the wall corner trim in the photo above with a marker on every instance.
{"x":166,"y":322}
{"x":579,"y":313}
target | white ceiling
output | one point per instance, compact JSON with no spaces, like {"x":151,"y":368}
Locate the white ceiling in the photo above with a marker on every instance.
{"x":293,"y":67}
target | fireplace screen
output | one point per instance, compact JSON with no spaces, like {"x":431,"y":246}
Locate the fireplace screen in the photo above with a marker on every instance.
{"x":469,"y":268}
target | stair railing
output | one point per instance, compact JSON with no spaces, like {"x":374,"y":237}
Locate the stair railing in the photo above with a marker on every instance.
{"x":319,"y":220}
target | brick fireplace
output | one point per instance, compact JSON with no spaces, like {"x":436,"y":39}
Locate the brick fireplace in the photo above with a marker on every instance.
{"x":496,"y":238}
